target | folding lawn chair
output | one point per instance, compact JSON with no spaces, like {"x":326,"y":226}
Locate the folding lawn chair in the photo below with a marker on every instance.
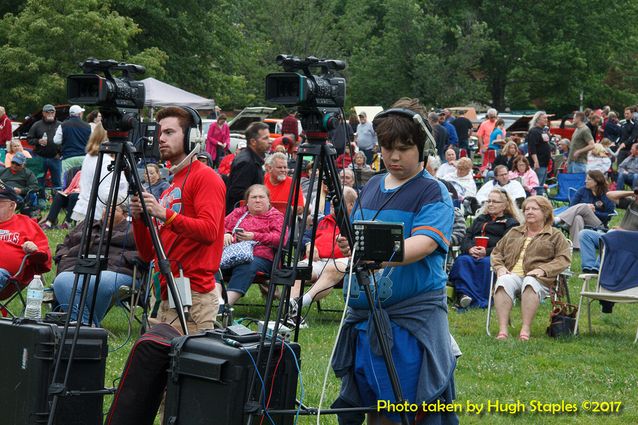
{"x":567,"y":184}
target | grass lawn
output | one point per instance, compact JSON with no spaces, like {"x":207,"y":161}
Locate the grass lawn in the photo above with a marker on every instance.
{"x":598,"y":367}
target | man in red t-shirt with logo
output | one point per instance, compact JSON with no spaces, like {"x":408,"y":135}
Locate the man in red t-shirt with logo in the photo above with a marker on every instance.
{"x":279,"y":182}
{"x":190,"y":219}
{"x":325,"y":250}
{"x":20,"y":235}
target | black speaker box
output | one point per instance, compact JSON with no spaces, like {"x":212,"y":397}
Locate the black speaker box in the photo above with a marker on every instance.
{"x":27,"y":359}
{"x":209,"y":379}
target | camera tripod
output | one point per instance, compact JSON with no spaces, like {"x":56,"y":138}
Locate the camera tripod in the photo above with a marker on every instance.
{"x":285,"y":264}
{"x":91,"y":265}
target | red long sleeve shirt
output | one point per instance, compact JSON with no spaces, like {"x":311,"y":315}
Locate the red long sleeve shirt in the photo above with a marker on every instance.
{"x":193,"y":233}
{"x":13,"y":234}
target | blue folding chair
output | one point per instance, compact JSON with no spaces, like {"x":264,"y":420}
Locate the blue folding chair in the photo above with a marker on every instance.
{"x":567,"y":184}
{"x":617,"y":280}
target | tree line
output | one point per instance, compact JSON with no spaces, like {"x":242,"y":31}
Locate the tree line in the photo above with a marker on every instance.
{"x":515,"y":54}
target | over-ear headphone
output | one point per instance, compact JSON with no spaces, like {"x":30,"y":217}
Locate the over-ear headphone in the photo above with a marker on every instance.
{"x":193,"y":136}
{"x":428,"y":144}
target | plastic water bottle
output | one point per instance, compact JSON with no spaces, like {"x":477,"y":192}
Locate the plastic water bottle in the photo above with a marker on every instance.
{"x":35,"y":295}
{"x":44,"y":136}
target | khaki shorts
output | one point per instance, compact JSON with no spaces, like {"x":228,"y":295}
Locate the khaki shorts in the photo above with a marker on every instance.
{"x":514,"y":285}
{"x":201,"y":314}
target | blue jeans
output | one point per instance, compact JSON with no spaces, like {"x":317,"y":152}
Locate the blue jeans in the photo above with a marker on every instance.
{"x":109,"y":283}
{"x":369,"y":153}
{"x":541,"y":172}
{"x":576,"y":167}
{"x":244,"y":274}
{"x":589,"y":242}
{"x":630,"y":178}
{"x":4,"y":276}
{"x":55,"y":167}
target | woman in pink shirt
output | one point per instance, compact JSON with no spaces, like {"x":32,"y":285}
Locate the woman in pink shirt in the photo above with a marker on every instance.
{"x":528,"y":178}
{"x":218,"y":140}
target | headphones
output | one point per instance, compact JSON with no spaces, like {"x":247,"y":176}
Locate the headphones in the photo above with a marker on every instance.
{"x":193,"y":138}
{"x":428,"y":146}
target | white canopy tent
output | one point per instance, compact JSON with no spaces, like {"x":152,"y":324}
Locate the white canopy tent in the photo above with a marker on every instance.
{"x":159,"y":93}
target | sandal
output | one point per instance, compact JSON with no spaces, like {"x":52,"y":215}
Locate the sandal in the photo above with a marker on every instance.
{"x":502,"y":336}
{"x":523,"y":336}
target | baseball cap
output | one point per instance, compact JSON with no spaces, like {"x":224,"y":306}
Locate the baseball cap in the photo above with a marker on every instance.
{"x":76,"y":110}
{"x":7,"y":192}
{"x":19,"y":158}
{"x":48,"y":108}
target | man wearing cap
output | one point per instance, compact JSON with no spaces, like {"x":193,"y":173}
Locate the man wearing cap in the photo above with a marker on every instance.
{"x":366,"y":137}
{"x":40,"y":137}
{"x":20,"y":179}
{"x":289,"y":134}
{"x":19,"y":235}
{"x":453,"y":138}
{"x":441,"y":136}
{"x":73,"y":135}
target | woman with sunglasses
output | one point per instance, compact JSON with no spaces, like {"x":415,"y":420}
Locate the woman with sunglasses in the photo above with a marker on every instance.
{"x":470,"y":274}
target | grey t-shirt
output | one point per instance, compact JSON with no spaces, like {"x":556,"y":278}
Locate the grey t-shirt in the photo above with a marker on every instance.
{"x":581,"y":138}
{"x":366,"y":137}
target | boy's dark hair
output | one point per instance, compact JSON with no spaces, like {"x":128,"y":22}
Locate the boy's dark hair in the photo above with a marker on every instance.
{"x":394,"y":128}
{"x":184,"y":117}
{"x":253,"y":131}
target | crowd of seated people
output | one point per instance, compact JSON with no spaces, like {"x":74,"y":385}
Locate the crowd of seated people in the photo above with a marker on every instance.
{"x":258,"y":173}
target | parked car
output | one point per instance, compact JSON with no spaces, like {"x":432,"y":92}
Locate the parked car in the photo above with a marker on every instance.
{"x":563,"y":128}
{"x":240,"y":122}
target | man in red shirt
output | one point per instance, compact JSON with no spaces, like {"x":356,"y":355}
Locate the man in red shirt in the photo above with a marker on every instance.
{"x":278,"y":181}
{"x":325,"y":250}
{"x":190,"y":219}
{"x":486,"y":128}
{"x":20,"y":235}
{"x":289,"y":135}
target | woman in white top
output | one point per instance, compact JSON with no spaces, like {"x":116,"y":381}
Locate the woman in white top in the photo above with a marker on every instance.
{"x":89,"y":166}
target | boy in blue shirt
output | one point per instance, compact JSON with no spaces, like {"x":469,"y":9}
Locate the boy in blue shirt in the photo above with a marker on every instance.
{"x":411,"y":293}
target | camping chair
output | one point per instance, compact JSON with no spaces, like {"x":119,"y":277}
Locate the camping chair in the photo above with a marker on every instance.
{"x":130,"y":297}
{"x":13,"y":290}
{"x":559,"y":290}
{"x":617,"y":280}
{"x":566,"y":184}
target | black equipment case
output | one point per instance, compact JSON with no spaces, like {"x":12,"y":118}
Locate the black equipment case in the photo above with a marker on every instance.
{"x":27,"y":360}
{"x":208,"y":380}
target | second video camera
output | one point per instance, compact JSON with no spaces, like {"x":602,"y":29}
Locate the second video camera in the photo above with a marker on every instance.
{"x":295,"y":88}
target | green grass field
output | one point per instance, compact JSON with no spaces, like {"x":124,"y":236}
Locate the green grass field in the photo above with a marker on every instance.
{"x":597,"y":367}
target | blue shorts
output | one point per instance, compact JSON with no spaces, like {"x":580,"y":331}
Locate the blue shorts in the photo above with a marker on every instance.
{"x":371,"y":374}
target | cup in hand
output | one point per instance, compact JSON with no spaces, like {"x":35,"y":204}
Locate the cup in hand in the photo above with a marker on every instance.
{"x":481,"y":241}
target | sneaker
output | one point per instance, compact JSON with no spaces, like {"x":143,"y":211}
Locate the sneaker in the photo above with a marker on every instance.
{"x":46,"y":225}
{"x":291,"y":322}
{"x":465,"y":301}
{"x":294,"y":306}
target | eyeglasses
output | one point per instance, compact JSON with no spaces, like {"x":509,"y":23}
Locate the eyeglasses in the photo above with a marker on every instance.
{"x":492,"y":201}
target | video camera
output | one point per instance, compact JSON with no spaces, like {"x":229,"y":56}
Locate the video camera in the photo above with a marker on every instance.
{"x":294,"y":88}
{"x":119,"y":99}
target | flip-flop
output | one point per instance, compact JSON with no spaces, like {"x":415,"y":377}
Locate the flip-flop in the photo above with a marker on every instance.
{"x":502,"y":336}
{"x":523,"y":336}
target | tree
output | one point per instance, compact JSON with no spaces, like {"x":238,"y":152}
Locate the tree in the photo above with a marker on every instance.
{"x":48,"y":39}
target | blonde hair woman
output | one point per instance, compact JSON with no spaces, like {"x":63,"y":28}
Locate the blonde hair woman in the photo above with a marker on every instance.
{"x":89,"y":166}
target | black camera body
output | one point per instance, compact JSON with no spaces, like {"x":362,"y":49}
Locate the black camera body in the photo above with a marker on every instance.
{"x":299,"y":87}
{"x":92,"y":89}
{"x":119,"y":99}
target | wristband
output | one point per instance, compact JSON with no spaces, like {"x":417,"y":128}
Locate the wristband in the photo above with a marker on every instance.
{"x":170,"y":220}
